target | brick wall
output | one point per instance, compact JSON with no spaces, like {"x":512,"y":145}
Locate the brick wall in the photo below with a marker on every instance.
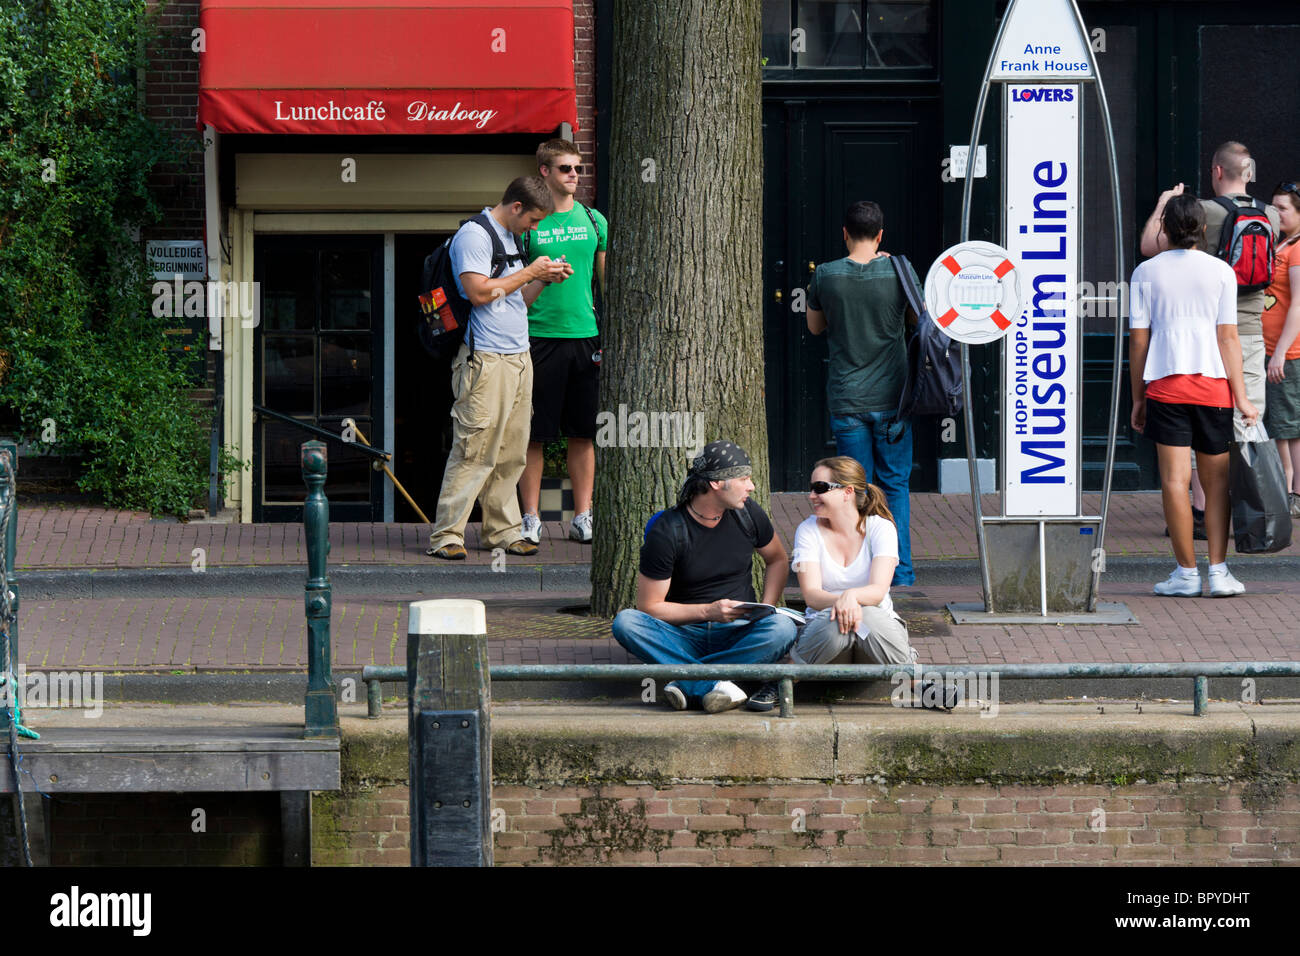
{"x":584,"y":69}
{"x":157,"y":829}
{"x":794,"y":823}
{"x":172,"y":101}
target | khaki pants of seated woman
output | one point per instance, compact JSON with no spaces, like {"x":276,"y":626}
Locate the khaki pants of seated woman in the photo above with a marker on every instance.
{"x":886,"y":642}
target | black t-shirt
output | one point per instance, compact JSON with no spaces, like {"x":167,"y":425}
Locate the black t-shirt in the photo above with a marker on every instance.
{"x":717,"y":562}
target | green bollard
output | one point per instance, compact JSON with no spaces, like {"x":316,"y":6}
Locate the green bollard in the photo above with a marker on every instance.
{"x":322,"y":716}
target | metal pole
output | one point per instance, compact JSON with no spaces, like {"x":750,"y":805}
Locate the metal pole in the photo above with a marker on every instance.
{"x":449,"y":733}
{"x":322,"y":718}
{"x":967,"y":190}
{"x":1118,"y":360}
{"x":1201,"y":697}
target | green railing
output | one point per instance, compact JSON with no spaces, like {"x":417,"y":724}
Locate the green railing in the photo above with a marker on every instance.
{"x":786,"y":674}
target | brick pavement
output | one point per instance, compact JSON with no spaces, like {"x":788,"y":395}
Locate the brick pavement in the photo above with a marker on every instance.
{"x":196,"y":634}
{"x":87,"y":537}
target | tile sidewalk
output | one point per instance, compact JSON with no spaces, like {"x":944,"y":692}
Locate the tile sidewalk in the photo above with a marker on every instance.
{"x":82,"y":537}
{"x":193,"y":634}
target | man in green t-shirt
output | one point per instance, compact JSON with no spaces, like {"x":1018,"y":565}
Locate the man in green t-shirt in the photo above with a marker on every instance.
{"x":564,"y":340}
{"x":861,"y":302}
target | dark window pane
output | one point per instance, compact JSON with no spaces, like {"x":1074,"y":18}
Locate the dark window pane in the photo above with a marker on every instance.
{"x":350,"y":471}
{"x":289,"y":374}
{"x":776,"y":33}
{"x":832,"y":34}
{"x":281,"y":466}
{"x":288,"y":296}
{"x":345,"y":374}
{"x":899,"y":33}
{"x":345,"y":289}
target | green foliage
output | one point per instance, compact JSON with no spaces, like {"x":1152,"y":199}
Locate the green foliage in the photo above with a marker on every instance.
{"x":555,"y":459}
{"x":82,"y":347}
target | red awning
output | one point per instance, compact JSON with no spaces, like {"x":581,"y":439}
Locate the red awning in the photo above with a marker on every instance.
{"x":386,"y":66}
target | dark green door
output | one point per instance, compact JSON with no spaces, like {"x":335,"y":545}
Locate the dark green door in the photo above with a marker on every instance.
{"x":820,"y":157}
{"x":317,"y":355}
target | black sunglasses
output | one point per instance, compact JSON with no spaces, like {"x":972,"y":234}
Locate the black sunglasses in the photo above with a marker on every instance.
{"x":821,"y":487}
{"x":566,"y":169}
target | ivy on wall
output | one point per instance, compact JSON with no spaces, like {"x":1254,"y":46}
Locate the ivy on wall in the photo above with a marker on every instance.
{"x":82,"y":362}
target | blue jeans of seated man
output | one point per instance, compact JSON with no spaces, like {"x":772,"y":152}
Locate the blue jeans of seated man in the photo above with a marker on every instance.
{"x":888,"y":465}
{"x":731,"y":642}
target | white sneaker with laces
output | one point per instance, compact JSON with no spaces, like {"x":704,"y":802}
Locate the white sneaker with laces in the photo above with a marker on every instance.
{"x":580,"y":527}
{"x":724,"y":696}
{"x":532,"y":529}
{"x":1180,"y":585}
{"x":1223,"y":584}
{"x":674,"y":697}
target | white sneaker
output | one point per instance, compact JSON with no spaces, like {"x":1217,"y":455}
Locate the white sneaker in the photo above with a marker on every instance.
{"x":580,"y":527}
{"x":1179,"y":585}
{"x":724,"y":696}
{"x":532,"y":530}
{"x":674,"y":697}
{"x":1223,"y":584}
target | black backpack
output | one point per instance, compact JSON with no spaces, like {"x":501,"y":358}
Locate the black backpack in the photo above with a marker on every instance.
{"x":933,"y":383}
{"x":1246,"y":243}
{"x":444,"y":312}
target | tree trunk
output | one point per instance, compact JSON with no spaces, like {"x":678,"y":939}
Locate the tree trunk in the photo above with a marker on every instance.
{"x":684,"y":330}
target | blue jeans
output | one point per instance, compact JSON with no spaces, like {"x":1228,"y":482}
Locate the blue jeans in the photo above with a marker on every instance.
{"x":888,"y":465}
{"x":733,"y":642}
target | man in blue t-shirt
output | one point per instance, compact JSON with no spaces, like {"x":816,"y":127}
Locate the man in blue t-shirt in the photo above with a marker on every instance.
{"x":493,"y":385}
{"x":861,"y":302}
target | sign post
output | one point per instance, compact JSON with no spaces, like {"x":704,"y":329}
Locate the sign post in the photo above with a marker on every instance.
{"x":1042,"y":555}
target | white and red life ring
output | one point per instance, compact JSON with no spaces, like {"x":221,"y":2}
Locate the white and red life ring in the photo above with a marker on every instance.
{"x":973,"y":292}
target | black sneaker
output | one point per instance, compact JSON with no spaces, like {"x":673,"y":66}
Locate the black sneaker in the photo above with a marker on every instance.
{"x":768,"y":696}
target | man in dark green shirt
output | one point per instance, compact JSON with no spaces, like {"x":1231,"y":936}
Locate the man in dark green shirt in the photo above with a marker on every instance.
{"x":860,"y":301}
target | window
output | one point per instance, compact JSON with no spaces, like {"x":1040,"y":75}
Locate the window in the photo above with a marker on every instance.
{"x":848,"y":35}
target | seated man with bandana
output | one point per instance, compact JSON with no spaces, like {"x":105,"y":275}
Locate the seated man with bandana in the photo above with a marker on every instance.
{"x":695,"y":571}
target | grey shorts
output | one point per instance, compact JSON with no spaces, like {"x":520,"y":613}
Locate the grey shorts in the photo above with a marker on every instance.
{"x":1282,"y":407}
{"x":820,"y":642}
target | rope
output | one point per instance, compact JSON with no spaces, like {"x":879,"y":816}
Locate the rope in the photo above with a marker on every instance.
{"x":7,"y":619}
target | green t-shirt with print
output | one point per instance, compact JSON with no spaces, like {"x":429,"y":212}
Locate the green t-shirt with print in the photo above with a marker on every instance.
{"x":566,"y":310}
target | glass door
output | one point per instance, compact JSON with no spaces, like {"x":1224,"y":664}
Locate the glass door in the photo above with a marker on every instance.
{"x":318,"y":358}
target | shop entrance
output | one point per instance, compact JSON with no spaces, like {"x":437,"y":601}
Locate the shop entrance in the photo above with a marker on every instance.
{"x":422,"y":396}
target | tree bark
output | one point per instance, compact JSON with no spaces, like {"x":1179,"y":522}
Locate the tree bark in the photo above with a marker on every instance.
{"x":684,"y":329}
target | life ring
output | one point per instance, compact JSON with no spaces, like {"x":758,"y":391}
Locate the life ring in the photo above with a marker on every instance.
{"x":973,"y":292}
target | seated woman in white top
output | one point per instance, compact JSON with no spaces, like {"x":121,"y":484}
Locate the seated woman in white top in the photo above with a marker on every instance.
{"x":1185,"y":362}
{"x":845,"y":555}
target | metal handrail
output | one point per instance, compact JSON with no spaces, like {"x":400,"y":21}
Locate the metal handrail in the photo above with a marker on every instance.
{"x":318,"y":432}
{"x":374,"y":674}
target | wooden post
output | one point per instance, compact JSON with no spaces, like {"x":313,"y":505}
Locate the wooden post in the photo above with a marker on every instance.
{"x":322,"y":717}
{"x":450,"y":734}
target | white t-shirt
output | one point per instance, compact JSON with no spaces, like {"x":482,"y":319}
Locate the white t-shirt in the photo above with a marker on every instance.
{"x":881,"y":540}
{"x":1181,"y":295}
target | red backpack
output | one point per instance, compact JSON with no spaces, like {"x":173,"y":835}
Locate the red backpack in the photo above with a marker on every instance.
{"x":1246,"y":243}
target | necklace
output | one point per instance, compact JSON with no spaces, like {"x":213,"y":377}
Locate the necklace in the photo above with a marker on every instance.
{"x":702,"y":517}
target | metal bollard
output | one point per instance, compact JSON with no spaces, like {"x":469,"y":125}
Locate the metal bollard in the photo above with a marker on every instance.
{"x":450,"y":734}
{"x":322,"y":715}
{"x":1201,"y":697}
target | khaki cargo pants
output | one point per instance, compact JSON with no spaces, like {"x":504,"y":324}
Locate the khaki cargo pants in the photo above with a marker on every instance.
{"x":490,"y":421}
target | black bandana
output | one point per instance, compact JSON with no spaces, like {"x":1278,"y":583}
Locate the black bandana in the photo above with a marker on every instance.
{"x":721,"y":460}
